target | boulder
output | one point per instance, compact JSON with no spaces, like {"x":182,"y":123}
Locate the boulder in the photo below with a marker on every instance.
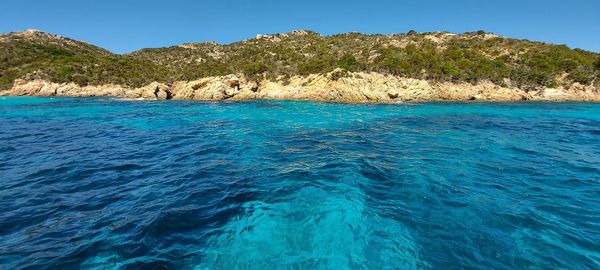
{"x":478,"y":97}
{"x":155,"y":90}
{"x":393,"y":94}
{"x":232,"y":85}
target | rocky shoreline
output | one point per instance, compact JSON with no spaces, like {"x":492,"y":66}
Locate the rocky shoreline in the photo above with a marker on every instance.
{"x":336,"y":86}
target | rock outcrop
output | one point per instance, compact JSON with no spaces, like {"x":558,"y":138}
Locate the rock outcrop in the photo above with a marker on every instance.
{"x":155,"y":90}
{"x":333,"y":87}
{"x":45,"y":88}
{"x":210,"y":88}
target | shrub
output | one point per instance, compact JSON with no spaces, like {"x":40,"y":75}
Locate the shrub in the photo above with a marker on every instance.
{"x":581,"y":77}
{"x":315,"y":65}
{"x":348,"y":62}
{"x":338,"y":74}
{"x":255,"y":69}
{"x":395,"y":65}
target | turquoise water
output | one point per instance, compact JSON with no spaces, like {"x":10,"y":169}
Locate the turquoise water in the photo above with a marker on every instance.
{"x":112,"y":184}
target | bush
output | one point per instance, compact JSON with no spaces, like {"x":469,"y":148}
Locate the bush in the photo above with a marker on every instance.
{"x":348,"y":62}
{"x":568,"y":64}
{"x":315,"y":65}
{"x":395,"y":65}
{"x":338,"y":74}
{"x":581,"y":77}
{"x":255,"y":69}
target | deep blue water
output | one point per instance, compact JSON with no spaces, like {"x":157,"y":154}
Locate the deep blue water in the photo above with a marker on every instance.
{"x":112,"y":184}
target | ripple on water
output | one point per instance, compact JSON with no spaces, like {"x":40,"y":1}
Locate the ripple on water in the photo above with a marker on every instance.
{"x":111,"y":184}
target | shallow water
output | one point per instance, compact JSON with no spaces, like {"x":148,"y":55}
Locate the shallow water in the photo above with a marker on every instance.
{"x":112,"y":184}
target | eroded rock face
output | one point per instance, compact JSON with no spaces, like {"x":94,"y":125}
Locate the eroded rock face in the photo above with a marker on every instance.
{"x":344,"y":87}
{"x":155,"y":90}
{"x":44,"y":88}
{"x":27,"y":88}
{"x":211,"y":88}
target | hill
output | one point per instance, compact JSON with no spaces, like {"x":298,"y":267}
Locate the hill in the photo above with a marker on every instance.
{"x":441,"y":57}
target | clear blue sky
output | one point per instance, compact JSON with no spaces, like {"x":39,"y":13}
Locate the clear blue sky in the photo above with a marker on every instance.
{"x":126,"y":25}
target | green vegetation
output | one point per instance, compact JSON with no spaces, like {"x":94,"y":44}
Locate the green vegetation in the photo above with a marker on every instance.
{"x":469,"y":57}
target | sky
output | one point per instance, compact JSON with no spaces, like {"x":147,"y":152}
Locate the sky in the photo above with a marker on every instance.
{"x":123,"y":26}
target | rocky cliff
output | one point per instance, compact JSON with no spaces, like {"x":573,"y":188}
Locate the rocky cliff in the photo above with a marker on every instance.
{"x":331,"y":87}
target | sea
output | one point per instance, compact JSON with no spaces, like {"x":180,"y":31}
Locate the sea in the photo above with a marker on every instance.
{"x":101,"y":183}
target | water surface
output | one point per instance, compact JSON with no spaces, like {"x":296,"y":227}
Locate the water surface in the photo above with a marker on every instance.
{"x":112,"y":184}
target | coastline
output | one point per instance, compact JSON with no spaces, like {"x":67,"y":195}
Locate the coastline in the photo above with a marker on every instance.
{"x":336,"y":86}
